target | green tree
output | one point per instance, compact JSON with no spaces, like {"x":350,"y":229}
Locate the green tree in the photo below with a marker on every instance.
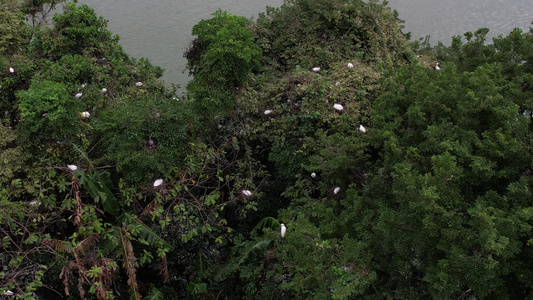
{"x":49,"y":115}
{"x":11,"y":155}
{"x":11,"y":34}
{"x":220,"y":59}
{"x":78,"y":30}
{"x":455,"y":220}
{"x":147,"y":137}
{"x":313,"y":33}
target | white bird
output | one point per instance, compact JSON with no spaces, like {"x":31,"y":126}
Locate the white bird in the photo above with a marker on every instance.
{"x":316,"y":69}
{"x":8,"y":293}
{"x":247,"y":193}
{"x":362,"y":128}
{"x":35,"y":202}
{"x":338,"y":107}
{"x":336,"y":190}
{"x":11,"y":70}
{"x":283,"y":230}
{"x":83,"y":85}
{"x":437,"y":66}
{"x":337,"y":83}
{"x":138,"y":83}
{"x":313,"y":175}
{"x":78,"y":95}
{"x":268,"y":112}
{"x":349,"y":65}
{"x":72,"y":167}
{"x":158,"y":182}
{"x":104,"y":90}
{"x":85,"y":114}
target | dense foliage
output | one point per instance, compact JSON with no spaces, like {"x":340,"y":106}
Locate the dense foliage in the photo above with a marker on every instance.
{"x":394,"y":180}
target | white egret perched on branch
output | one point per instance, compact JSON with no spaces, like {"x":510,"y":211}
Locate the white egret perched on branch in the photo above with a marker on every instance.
{"x":247,"y":193}
{"x":158,"y":182}
{"x":349,"y":65}
{"x":138,"y":83}
{"x":268,"y":112}
{"x":316,"y":69}
{"x":78,"y":95}
{"x":362,"y":128}
{"x":338,"y":107}
{"x":8,"y":293}
{"x":283,"y":230}
{"x":72,"y":167}
{"x":336,"y":190}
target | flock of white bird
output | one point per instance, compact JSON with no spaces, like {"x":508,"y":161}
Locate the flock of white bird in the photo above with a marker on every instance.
{"x":104,"y":90}
{"x":245,"y":193}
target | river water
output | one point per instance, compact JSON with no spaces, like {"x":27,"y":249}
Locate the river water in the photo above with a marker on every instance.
{"x":160,"y":30}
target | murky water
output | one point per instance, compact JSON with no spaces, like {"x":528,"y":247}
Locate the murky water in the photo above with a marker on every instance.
{"x":160,"y":30}
{"x":443,"y":19}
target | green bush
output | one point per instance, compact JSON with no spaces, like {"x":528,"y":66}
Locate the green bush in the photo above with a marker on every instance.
{"x":146,"y":137}
{"x":220,"y":59}
{"x":326,"y":32}
{"x":48,"y":113}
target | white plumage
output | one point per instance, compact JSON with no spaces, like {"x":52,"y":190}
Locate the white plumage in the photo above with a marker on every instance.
{"x":11,"y":70}
{"x":83,"y":85}
{"x":349,"y":65}
{"x":338,"y":107}
{"x":316,"y":69}
{"x":247,"y":193}
{"x":268,"y":112}
{"x":78,"y":95}
{"x":72,"y":167}
{"x":336,"y":190}
{"x":158,"y":182}
{"x":85,"y":114}
{"x":138,"y":83}
{"x":362,"y":128}
{"x":104,"y":90}
{"x":313,"y":175}
{"x":8,"y":293}
{"x":283,"y":230}
{"x":437,"y":66}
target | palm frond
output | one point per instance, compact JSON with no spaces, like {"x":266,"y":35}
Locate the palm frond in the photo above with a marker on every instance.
{"x":267,"y":222}
{"x":60,"y":245}
{"x":155,"y":294}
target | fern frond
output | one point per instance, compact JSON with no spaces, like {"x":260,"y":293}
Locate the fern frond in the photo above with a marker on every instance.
{"x":82,"y":154}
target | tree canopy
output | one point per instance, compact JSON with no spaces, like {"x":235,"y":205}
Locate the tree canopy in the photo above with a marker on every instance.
{"x":394,"y":180}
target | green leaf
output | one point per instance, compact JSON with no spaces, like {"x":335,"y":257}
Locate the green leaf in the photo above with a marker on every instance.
{"x":155,"y":294}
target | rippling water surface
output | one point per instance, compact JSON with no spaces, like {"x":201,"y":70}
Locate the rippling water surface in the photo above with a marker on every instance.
{"x":160,"y":30}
